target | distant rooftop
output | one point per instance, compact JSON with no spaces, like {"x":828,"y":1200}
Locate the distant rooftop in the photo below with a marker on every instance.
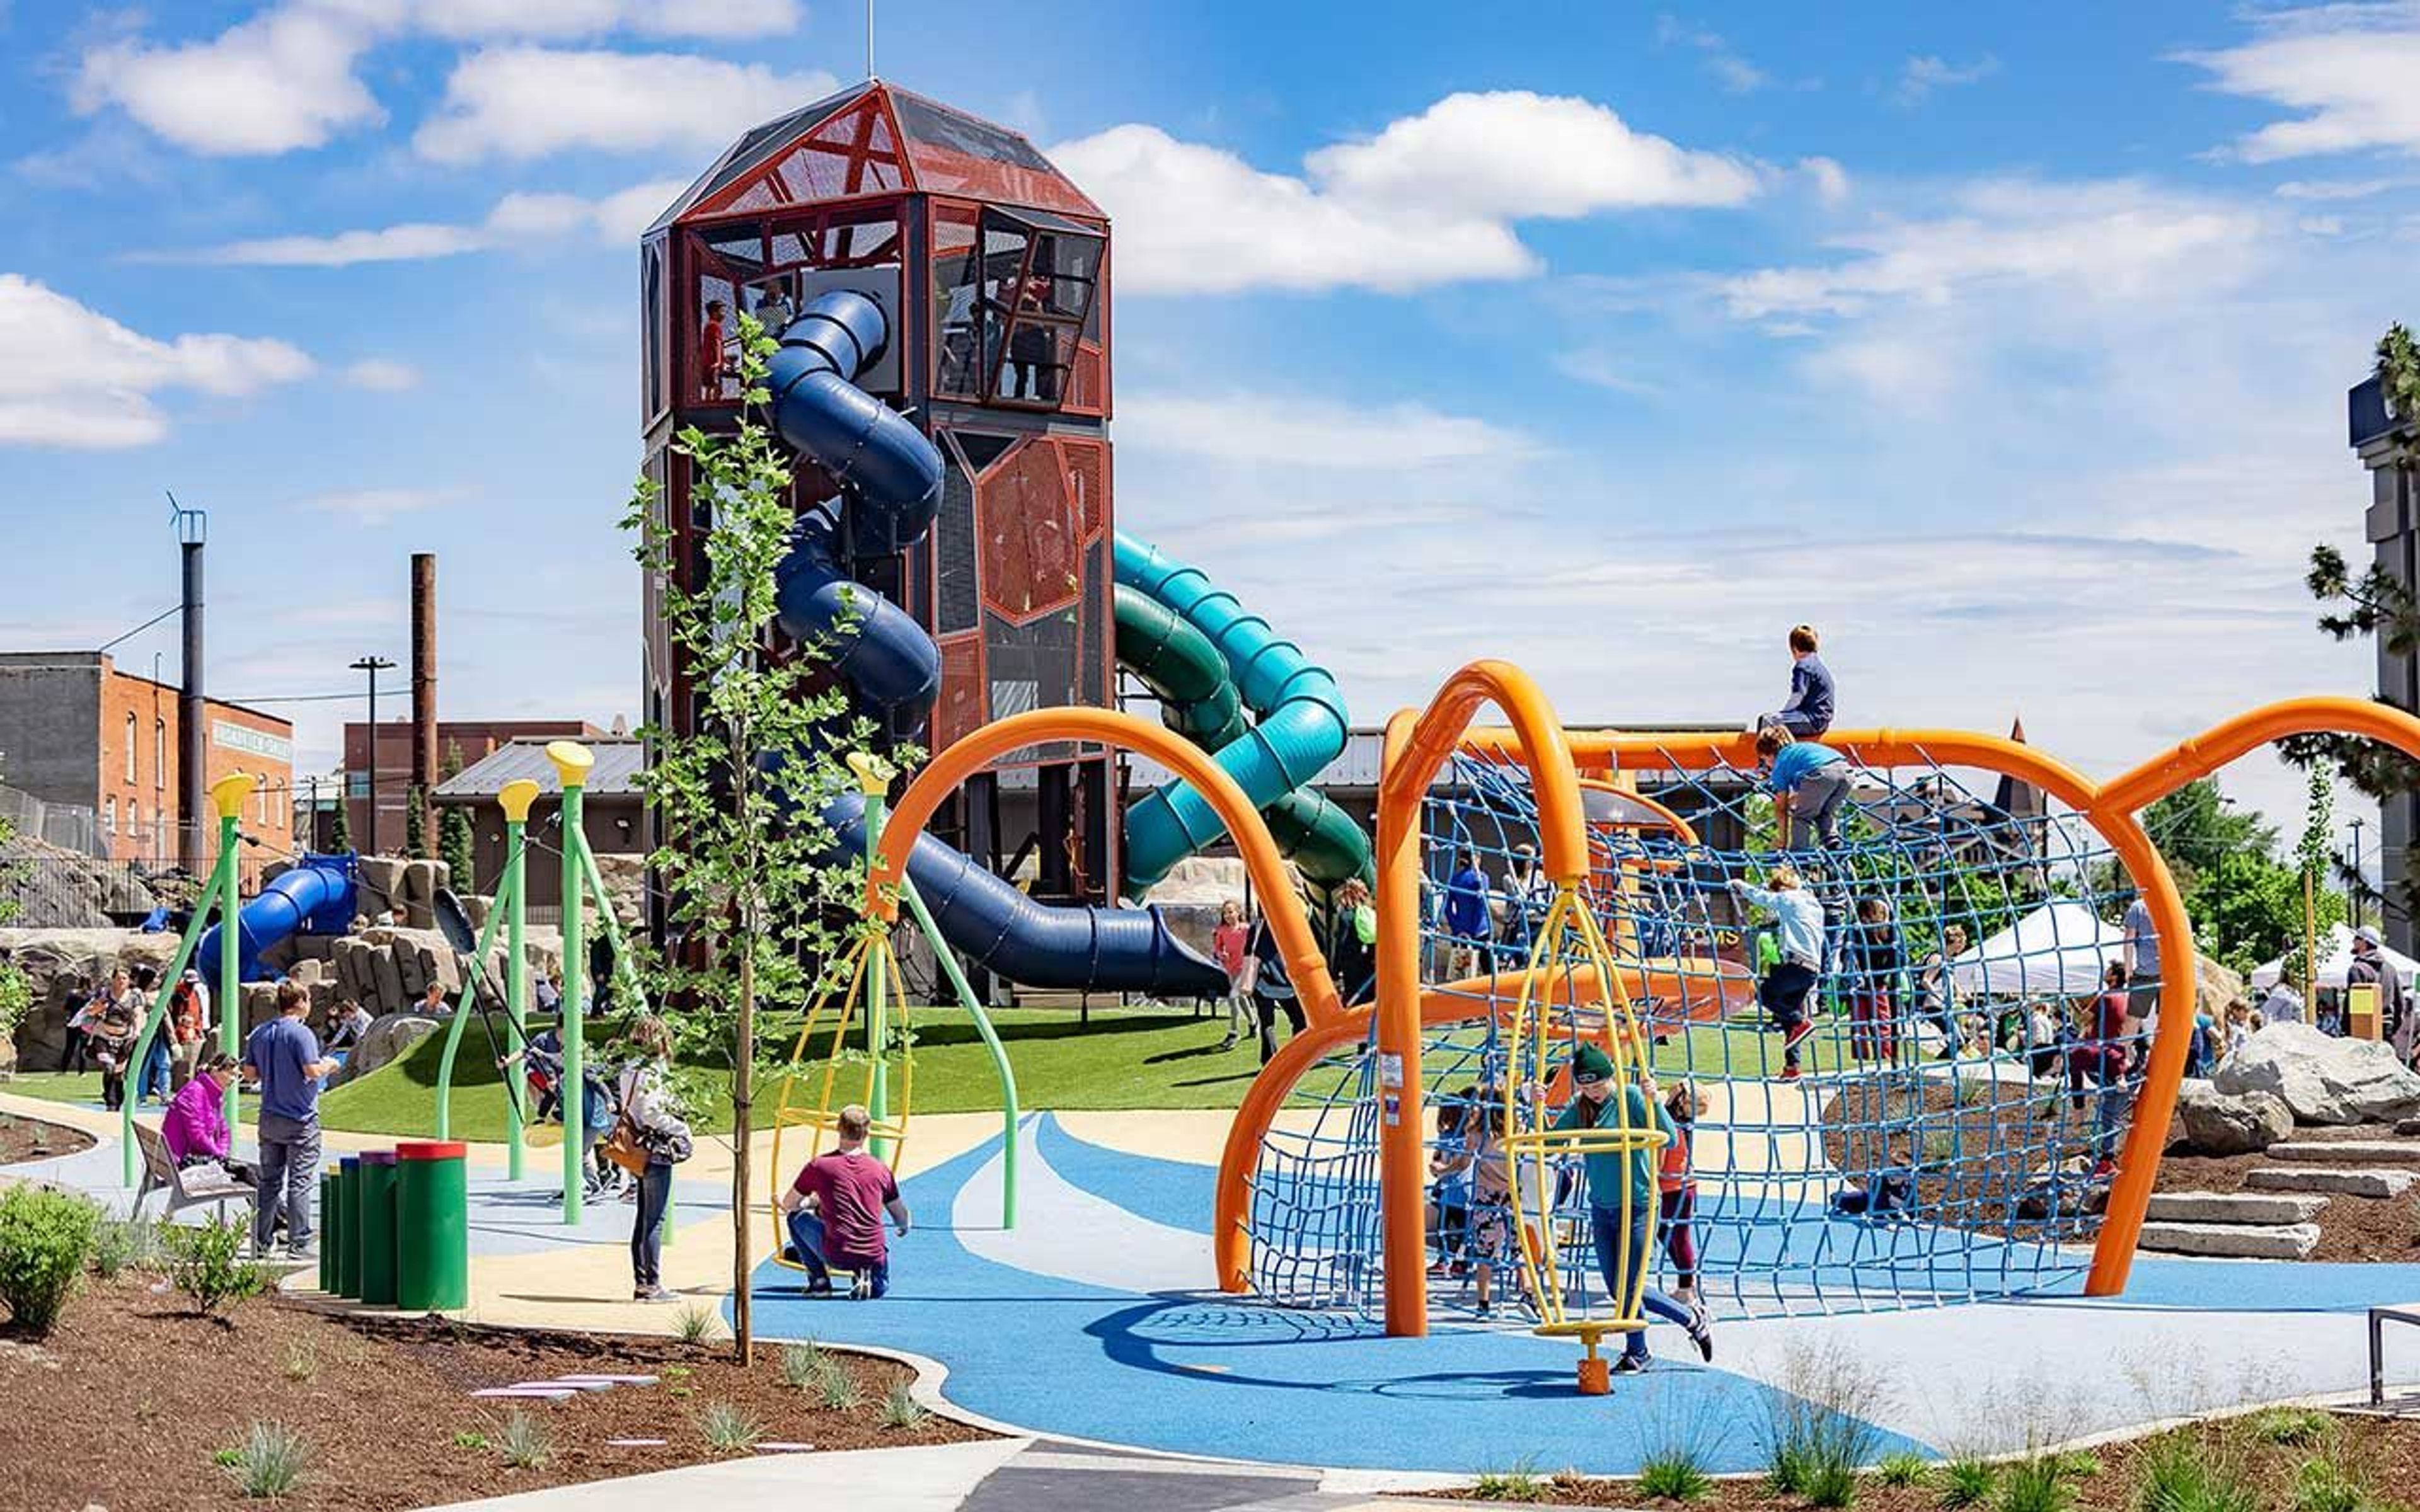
{"x":619,"y":762}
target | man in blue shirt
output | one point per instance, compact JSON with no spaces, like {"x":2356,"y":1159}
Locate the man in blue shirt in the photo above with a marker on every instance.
{"x":1621,"y":1184}
{"x":1809,"y":713}
{"x":1465,"y":915}
{"x":1809,"y":783}
{"x":282,"y":1057}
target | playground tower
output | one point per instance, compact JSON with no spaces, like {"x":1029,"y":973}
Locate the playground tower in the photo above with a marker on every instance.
{"x":992,"y":271}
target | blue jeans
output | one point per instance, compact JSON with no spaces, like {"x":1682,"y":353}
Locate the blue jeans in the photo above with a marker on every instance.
{"x":1606,"y":1224}
{"x":154,"y":1080}
{"x":807,"y":1238}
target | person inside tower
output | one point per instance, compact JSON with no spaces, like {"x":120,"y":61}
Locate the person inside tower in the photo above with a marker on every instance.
{"x":1032,"y":348}
{"x":710,"y":366}
{"x":1807,"y":713}
{"x":773,"y":310}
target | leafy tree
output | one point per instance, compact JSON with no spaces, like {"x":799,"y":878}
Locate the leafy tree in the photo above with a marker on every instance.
{"x":2196,"y":828}
{"x":2248,"y":909}
{"x":415,"y":824}
{"x":340,"y":833}
{"x":454,"y":848}
{"x":763,"y":909}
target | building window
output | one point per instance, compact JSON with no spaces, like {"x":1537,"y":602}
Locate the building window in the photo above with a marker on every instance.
{"x":160,"y":754}
{"x":132,"y":749}
{"x":134,"y":822}
{"x":109,"y":817}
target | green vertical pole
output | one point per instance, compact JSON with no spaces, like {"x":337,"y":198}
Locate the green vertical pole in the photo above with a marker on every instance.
{"x":571,"y":763}
{"x":228,"y":793}
{"x":231,"y":937}
{"x":465,"y":1004}
{"x":974,"y":1008}
{"x":874,"y":780}
{"x":515,"y":797}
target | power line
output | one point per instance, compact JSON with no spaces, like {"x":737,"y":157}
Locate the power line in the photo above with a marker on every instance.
{"x":140,"y":628}
{"x":315,"y":698}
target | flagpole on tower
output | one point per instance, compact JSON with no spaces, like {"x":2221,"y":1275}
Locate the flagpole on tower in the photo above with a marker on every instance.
{"x":869,"y":39}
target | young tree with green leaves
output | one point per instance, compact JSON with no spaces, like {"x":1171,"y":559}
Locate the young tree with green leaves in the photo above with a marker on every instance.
{"x":340,"y":832}
{"x":762,"y":899}
{"x":415,"y":824}
{"x":454,"y":848}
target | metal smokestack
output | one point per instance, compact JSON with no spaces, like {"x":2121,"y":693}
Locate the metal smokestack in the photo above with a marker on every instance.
{"x":424,"y":691}
{"x":192,"y":737}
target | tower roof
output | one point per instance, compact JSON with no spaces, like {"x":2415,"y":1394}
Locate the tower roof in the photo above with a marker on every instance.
{"x":873,"y":138}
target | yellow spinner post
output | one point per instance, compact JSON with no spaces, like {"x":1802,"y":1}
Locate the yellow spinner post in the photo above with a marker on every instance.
{"x":1552,"y":1014}
{"x":851,"y":1072}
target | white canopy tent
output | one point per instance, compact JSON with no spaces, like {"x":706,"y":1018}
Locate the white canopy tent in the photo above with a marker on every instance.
{"x":2336,"y":959}
{"x":2060,"y":949}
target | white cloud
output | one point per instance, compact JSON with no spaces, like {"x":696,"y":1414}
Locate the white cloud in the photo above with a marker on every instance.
{"x":1430,"y":199}
{"x":1736,"y":74}
{"x":72,"y":377}
{"x":1299,"y":430}
{"x":376,"y":507}
{"x":1920,"y":76}
{"x":524,"y":102}
{"x":2335,"y":189}
{"x":2349,"y":69}
{"x":2320,"y":226}
{"x":382,"y":375}
{"x":282,"y":81}
{"x":289,"y":77}
{"x":1831,"y":179}
{"x":518,"y":219}
{"x":2103,"y":240}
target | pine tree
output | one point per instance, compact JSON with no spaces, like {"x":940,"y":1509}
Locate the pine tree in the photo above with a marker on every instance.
{"x":340,"y":834}
{"x":415,"y":824}
{"x":453,"y":849}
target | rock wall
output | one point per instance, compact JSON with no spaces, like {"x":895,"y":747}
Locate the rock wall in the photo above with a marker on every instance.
{"x":57,"y":889}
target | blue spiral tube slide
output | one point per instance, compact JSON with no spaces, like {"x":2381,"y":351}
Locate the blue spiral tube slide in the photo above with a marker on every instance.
{"x":890,"y":473}
{"x":319,"y":895}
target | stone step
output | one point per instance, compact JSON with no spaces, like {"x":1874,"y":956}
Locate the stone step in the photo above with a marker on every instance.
{"x":2348,"y":1151}
{"x":2351,"y":1183}
{"x":2242,"y":1242}
{"x":2234,"y":1207}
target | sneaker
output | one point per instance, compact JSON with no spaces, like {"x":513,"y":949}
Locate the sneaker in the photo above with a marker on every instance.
{"x":654,"y":1293}
{"x":820,"y":1289}
{"x":2105,"y":1171}
{"x":1788,"y":1073}
{"x":1440,"y":1270}
{"x":1702,"y":1332}
{"x":1227,"y":1044}
{"x":861,"y":1289}
{"x":1793,"y":1039}
{"x":1483,"y":1310}
{"x":1630,"y":1365}
{"x":301,"y":1252}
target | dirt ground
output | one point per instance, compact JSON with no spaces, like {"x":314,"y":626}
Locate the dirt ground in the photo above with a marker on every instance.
{"x":2379,"y":1456}
{"x":126,"y":1404}
{"x":25,"y":1139}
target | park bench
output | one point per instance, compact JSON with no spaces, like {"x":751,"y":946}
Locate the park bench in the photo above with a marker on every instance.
{"x":162,"y":1174}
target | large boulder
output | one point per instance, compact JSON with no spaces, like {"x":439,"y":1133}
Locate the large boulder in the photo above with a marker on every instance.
{"x":55,"y":888}
{"x":386,"y":1040}
{"x":2212,"y":1122}
{"x":2321,"y":1078}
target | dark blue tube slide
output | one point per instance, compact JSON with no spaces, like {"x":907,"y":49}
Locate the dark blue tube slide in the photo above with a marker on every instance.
{"x":891,"y":474}
{"x":287,"y":903}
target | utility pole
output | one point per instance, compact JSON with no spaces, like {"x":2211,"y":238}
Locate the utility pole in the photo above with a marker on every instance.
{"x":194,"y":827}
{"x":424,"y":691}
{"x":2355,"y":882}
{"x":372,"y":666}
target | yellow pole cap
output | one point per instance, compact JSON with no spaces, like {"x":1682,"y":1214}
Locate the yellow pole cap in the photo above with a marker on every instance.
{"x":515,"y":796}
{"x":231,"y":790}
{"x":874,"y":774}
{"x":571,"y":760}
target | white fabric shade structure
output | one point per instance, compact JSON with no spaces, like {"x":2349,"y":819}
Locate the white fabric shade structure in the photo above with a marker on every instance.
{"x":2336,"y":959}
{"x":2060,"y":949}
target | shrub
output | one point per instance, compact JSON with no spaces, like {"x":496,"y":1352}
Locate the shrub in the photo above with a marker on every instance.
{"x":267,"y":1463}
{"x":2300,"y":1426}
{"x":118,"y":1243}
{"x":696,"y":1323}
{"x":522,"y":1440}
{"x":1968,"y":1480}
{"x":2077,"y":1464}
{"x":727,"y":1430}
{"x":836,"y":1386}
{"x":206,"y":1262}
{"x":1674,"y":1474}
{"x":2192,"y":1472}
{"x":800,"y":1363}
{"x":470,"y":1439}
{"x":2035,"y":1484}
{"x":1903,"y":1467}
{"x":1828,"y":1483}
{"x":45,"y":1237}
{"x":302,"y":1358}
{"x":1815,"y":1441}
{"x":901,"y":1410}
{"x":2327,"y":1484}
{"x":1520,"y":1483}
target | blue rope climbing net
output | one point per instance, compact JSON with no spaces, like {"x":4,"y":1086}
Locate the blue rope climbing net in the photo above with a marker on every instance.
{"x":1958,"y":1095}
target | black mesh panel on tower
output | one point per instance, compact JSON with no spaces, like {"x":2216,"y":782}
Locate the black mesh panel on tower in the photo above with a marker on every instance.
{"x":954,"y":552}
{"x":1090,"y":664}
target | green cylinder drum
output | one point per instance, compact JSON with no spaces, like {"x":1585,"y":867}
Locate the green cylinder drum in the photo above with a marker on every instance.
{"x":377,"y":1210}
{"x":432,"y":1209}
{"x":328,"y":1231}
{"x":345,"y":1220}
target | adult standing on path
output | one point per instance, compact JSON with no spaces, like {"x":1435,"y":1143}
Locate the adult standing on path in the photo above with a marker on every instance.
{"x":2370,"y":967}
{"x":283,"y":1058}
{"x":2139,"y":953}
{"x":649,"y":1107}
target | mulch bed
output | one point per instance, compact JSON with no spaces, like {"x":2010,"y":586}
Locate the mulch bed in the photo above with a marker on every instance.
{"x":127,"y":1402}
{"x":1967,"y":1178}
{"x":2383,"y":1455}
{"x":2350,"y":1229}
{"x":24,"y":1139}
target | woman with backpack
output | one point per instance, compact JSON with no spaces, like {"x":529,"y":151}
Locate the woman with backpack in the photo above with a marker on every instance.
{"x":651,"y":1112}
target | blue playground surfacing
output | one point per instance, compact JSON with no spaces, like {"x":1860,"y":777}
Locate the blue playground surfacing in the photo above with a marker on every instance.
{"x":1042,"y":1340}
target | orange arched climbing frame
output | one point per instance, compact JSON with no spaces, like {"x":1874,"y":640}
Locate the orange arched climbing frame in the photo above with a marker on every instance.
{"x":970,"y":754}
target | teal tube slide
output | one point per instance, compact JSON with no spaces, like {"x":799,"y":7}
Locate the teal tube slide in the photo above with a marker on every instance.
{"x":1210,"y":661}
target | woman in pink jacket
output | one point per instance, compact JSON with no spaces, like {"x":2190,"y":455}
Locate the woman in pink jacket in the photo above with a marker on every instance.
{"x":195,"y":1126}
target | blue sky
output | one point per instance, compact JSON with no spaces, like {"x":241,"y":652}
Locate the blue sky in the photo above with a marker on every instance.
{"x":2011,"y":349}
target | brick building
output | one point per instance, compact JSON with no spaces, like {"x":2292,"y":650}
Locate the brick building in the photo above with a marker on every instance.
{"x":76,"y":730}
{"x":461,"y":743}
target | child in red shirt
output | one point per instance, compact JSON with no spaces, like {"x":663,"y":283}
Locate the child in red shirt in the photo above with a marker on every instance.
{"x":835,"y":1209}
{"x":709,"y":352}
{"x":1227,"y":945}
{"x":1676,"y":1190}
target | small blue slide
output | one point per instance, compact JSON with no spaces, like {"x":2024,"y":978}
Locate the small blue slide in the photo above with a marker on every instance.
{"x":315,"y":898}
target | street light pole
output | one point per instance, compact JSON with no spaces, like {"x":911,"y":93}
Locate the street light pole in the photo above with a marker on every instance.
{"x":2356,"y":881}
{"x":372,"y":666}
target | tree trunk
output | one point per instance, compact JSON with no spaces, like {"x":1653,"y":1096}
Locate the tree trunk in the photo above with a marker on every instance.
{"x":743,"y":1071}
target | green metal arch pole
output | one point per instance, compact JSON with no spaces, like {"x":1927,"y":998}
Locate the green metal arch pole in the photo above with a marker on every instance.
{"x":515,"y":901}
{"x":462,"y":1011}
{"x":874,"y":780}
{"x":571,"y":763}
{"x":228,"y":793}
{"x":974,"y":1008}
